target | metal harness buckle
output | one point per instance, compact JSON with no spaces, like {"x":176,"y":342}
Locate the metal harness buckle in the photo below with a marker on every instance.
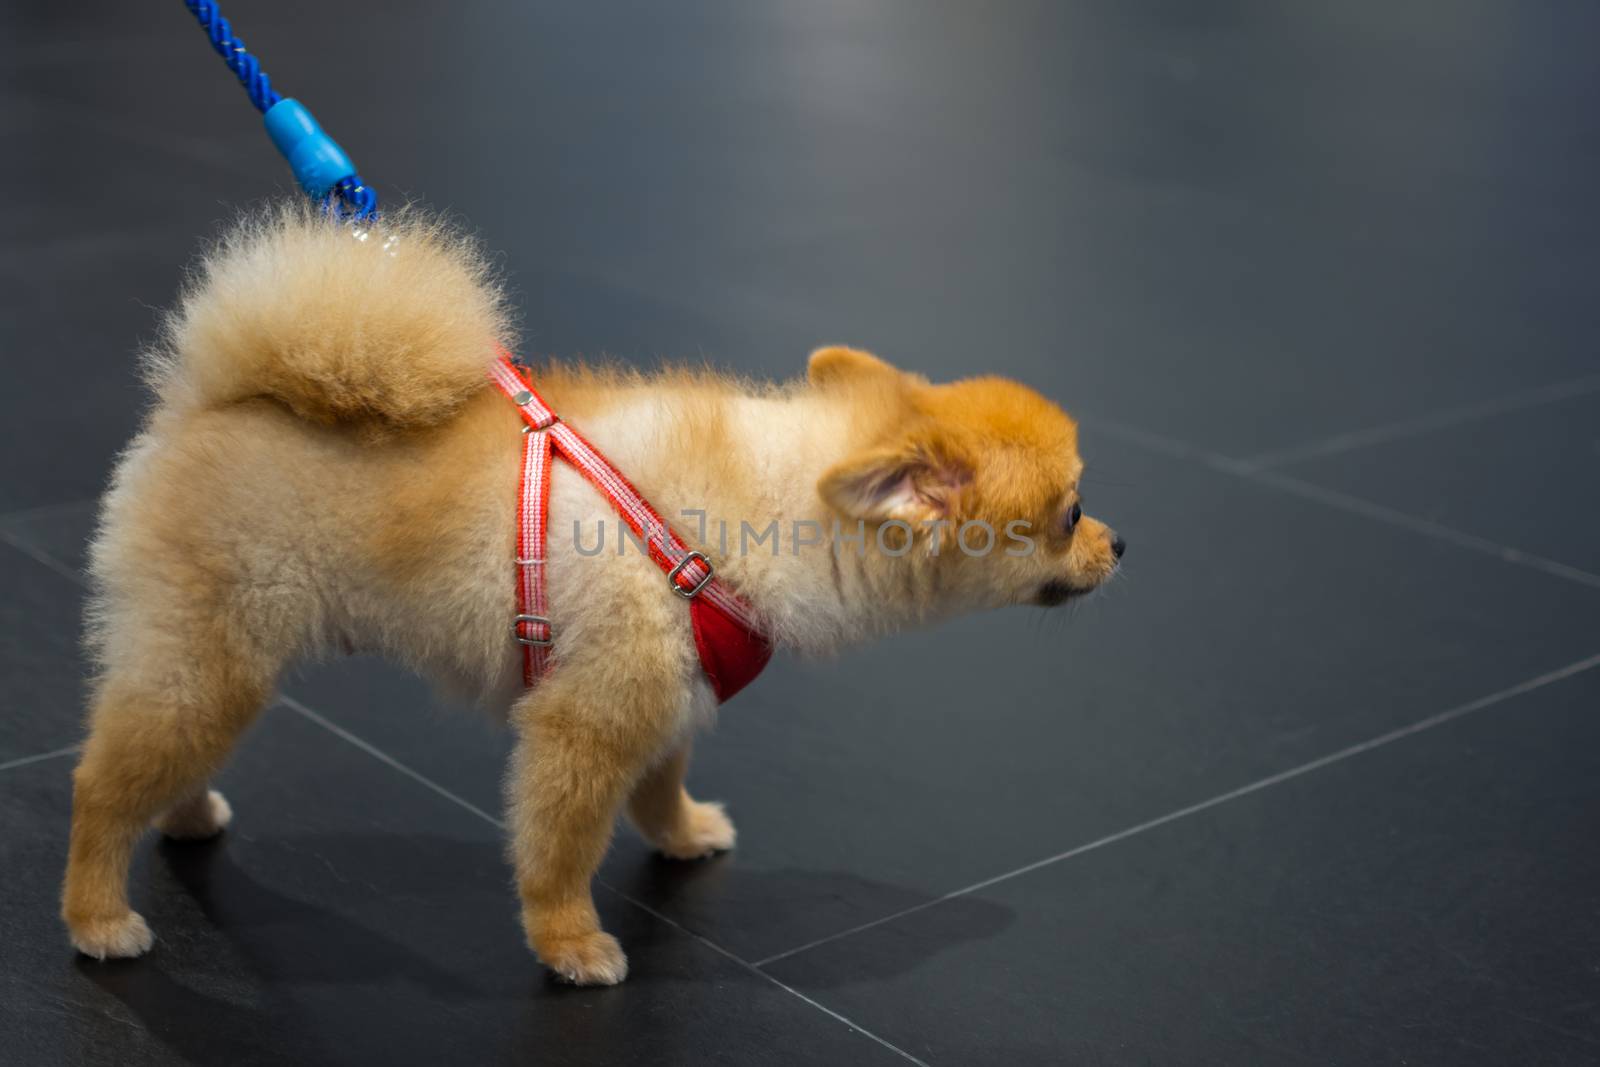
{"x":542,"y":642}
{"x":695,"y":590}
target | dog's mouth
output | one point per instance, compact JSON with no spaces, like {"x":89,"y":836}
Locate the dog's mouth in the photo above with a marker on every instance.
{"x":1054,"y":592}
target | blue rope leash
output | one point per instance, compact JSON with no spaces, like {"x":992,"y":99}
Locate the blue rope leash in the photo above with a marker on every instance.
{"x":319,"y":164}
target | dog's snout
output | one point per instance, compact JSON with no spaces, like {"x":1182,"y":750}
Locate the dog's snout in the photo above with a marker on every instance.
{"x":1118,"y":545}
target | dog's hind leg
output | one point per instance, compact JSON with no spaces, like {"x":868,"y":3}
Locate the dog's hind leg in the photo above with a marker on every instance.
{"x":157,"y":734}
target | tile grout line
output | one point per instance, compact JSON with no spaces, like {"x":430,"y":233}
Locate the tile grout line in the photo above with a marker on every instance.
{"x":56,"y":753}
{"x":383,"y":757}
{"x":1381,"y":513}
{"x":755,"y":968}
{"x":1424,"y":423}
{"x":71,"y":575}
{"x":421,"y":779}
{"x":1420,"y":726}
{"x":45,"y":560}
{"x":38,"y":510}
{"x":1332,"y":498}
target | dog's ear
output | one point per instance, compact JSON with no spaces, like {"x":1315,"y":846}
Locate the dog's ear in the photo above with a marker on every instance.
{"x":836,"y":363}
{"x":907,"y":483}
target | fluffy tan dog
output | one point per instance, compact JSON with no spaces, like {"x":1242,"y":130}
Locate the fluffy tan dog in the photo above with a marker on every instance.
{"x":326,"y":468}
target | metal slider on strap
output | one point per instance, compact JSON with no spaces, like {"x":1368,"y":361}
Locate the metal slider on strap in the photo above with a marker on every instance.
{"x":693,"y":591}
{"x":549,"y":631}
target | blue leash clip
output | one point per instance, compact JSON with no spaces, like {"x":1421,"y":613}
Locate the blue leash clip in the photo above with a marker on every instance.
{"x":319,"y":164}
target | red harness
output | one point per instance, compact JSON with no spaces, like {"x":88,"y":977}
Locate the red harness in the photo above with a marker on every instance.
{"x":732,"y":647}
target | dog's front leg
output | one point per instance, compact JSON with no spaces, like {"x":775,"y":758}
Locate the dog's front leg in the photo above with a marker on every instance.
{"x":679,"y":826}
{"x":583,"y":744}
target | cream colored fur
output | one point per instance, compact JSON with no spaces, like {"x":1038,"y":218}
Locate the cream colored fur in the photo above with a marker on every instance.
{"x":326,"y":468}
{"x":391,"y":324}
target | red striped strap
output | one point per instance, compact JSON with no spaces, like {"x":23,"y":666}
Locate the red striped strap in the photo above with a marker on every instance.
{"x":532,"y":624}
{"x":689,"y":571}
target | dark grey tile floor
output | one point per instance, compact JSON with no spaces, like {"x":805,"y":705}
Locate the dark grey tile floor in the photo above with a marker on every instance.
{"x":1314,"y":781}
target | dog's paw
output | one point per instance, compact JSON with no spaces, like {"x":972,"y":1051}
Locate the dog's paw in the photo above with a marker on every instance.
{"x":120,"y":938}
{"x":590,"y":959}
{"x":706,"y":830}
{"x":197,"y":819}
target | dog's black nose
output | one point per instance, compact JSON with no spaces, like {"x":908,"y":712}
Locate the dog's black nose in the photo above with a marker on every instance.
{"x":1118,"y":545}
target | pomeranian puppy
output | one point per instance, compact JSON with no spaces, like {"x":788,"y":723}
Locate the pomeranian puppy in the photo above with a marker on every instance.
{"x":326,"y":467}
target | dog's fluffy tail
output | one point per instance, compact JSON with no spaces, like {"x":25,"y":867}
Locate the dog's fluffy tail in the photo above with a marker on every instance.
{"x":390,"y":323}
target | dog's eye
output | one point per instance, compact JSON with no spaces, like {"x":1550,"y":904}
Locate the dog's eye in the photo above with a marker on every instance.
{"x":1069,"y":521}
